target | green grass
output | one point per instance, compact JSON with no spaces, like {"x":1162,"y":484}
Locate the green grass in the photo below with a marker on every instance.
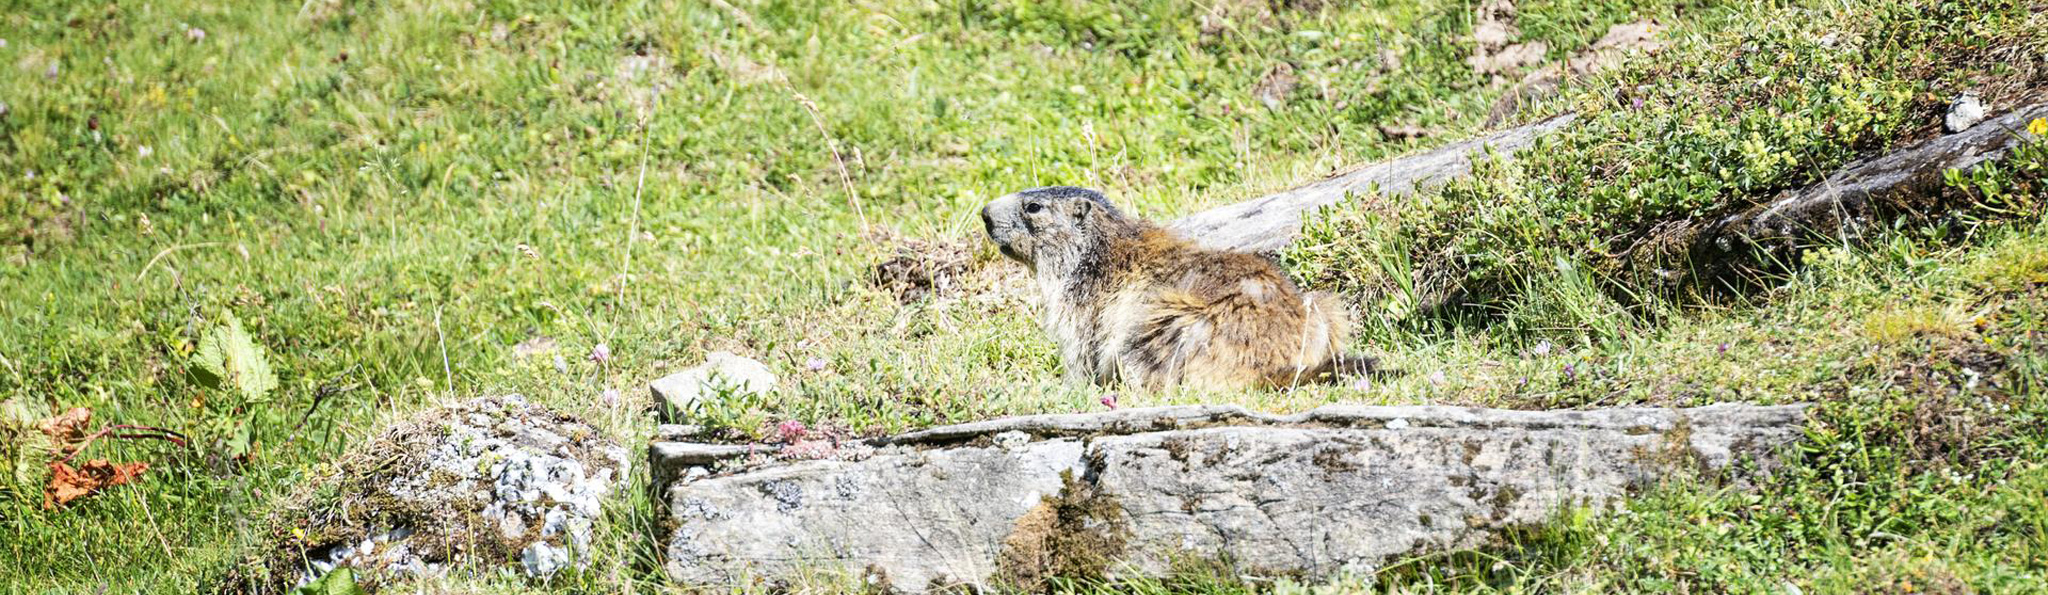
{"x":1724,"y":120}
{"x":390,"y":196}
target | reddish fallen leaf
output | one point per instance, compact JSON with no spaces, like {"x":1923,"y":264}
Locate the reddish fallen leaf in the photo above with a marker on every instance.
{"x":67,"y":484}
{"x":67,"y":430}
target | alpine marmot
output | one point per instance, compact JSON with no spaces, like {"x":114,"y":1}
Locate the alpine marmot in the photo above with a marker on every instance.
{"x":1130,"y":302}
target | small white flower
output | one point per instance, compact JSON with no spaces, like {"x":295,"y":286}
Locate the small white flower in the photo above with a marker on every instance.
{"x":143,"y":151}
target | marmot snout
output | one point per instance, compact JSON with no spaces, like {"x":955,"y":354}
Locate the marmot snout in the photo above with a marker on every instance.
{"x":1130,"y":302}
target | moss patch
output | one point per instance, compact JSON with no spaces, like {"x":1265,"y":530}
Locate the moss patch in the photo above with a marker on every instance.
{"x":1076,"y":534}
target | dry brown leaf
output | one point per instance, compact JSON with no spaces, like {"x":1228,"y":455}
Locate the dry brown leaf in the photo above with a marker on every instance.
{"x":67,"y":430}
{"x":67,"y":484}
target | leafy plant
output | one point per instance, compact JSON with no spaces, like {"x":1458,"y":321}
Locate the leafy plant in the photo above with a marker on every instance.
{"x":228,"y":358}
{"x":341,"y":581}
{"x":24,"y":448}
{"x":1721,"y":122}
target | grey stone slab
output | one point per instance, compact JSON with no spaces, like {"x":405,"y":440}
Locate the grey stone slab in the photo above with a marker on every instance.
{"x":1317,"y":494}
{"x":915,"y":519}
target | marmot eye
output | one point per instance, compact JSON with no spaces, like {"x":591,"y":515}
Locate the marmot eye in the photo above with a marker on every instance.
{"x":1034,"y":207}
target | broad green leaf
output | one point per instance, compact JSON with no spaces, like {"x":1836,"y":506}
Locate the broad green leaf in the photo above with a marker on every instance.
{"x":229,"y":358}
{"x":340,"y":582}
{"x":239,"y":445}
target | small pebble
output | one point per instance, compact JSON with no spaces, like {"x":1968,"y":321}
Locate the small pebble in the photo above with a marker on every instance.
{"x":1964,"y":112}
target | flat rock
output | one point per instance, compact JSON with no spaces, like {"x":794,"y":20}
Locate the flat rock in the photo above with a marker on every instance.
{"x":677,"y":394}
{"x":913,"y":519}
{"x":1140,"y":492}
{"x":677,"y":432}
{"x":672,"y":459}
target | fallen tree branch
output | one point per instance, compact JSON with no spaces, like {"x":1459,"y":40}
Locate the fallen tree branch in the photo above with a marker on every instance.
{"x":1841,"y":206}
{"x":1270,"y":222}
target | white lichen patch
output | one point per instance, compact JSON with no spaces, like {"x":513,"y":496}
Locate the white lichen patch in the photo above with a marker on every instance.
{"x":492,"y":479}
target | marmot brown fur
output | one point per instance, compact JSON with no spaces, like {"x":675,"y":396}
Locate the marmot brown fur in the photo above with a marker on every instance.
{"x":1130,"y":302}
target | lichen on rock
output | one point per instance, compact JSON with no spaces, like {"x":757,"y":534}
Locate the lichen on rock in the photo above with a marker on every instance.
{"x":1109,"y":496}
{"x":491,"y":480}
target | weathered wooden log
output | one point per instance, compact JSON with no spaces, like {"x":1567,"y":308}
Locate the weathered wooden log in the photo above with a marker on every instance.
{"x":1854,"y":192}
{"x":1269,"y":223}
{"x":1861,"y":190}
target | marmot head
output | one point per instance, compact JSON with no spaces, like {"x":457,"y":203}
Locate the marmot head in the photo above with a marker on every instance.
{"x":1049,"y":224}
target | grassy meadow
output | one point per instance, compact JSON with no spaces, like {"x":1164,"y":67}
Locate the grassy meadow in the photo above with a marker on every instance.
{"x":409,"y":202}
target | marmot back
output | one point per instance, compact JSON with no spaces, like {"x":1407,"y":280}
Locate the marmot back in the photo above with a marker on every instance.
{"x":1130,"y":302}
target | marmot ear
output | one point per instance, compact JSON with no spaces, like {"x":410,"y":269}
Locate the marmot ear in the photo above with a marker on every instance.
{"x":1080,"y":208}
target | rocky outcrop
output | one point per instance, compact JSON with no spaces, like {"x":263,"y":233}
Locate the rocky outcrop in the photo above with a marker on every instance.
{"x":489,"y":480}
{"x":1337,"y":490}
